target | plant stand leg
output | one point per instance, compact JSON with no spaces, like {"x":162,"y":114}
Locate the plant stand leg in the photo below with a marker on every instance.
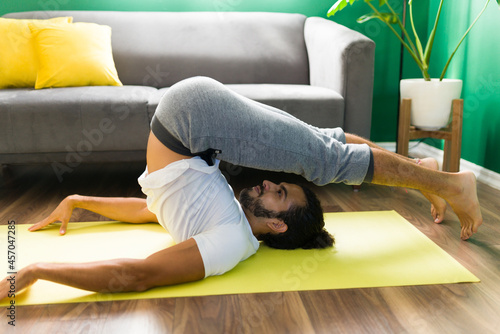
{"x":404,"y":127}
{"x":455,"y":144}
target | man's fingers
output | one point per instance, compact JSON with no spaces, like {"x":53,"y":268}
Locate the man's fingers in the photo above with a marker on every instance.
{"x":62,"y":230}
{"x":44,"y":223}
{"x":37,"y":226}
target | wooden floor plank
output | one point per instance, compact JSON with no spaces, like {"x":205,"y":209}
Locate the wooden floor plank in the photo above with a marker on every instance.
{"x":274,"y":313}
{"x":140,"y":316}
{"x":210,"y":314}
{"x":350,"y":311}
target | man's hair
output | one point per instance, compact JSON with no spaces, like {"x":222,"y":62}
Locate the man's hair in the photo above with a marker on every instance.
{"x":305,"y":226}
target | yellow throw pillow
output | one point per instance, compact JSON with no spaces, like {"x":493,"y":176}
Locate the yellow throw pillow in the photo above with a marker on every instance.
{"x":77,"y":54}
{"x":18,"y":62}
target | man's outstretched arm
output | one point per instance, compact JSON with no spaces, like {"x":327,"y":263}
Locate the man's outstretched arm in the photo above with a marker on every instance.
{"x":125,"y":209}
{"x":174,"y":265}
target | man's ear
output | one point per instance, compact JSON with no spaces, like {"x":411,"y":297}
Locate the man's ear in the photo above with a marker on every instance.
{"x":277,"y":226}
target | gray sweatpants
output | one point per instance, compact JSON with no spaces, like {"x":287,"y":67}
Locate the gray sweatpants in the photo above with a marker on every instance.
{"x":200,"y":114}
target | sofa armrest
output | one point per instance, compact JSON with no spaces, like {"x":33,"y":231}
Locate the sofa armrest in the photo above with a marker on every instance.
{"x":343,"y":60}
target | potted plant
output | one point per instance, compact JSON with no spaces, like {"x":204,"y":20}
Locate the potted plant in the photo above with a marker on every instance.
{"x":431,"y":98}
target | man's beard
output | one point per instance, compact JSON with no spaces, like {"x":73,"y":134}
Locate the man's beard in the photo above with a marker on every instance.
{"x":254,"y":205}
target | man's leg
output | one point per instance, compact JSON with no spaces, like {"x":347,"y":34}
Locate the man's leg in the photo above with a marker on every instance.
{"x":458,"y":189}
{"x":438,"y":204}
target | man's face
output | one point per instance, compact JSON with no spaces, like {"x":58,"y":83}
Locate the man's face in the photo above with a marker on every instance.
{"x":268,"y":199}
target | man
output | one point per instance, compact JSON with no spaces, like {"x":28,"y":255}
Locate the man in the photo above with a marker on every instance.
{"x":199,"y":119}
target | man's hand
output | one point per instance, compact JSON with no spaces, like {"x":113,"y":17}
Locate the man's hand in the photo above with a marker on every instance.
{"x":125,"y":209}
{"x":61,"y":214}
{"x":14,"y":284}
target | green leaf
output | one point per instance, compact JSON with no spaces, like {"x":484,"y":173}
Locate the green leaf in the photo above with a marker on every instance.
{"x":339,"y":5}
{"x":385,"y":17}
{"x":430,"y":41}
{"x":417,"y":40}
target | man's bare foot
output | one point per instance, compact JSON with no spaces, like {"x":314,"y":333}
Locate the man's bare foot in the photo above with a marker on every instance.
{"x":438,"y":205}
{"x":466,"y":204}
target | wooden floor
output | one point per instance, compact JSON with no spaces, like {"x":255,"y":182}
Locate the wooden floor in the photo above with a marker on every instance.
{"x":30,"y":193}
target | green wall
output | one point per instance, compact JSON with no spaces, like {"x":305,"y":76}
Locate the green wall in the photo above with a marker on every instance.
{"x":474,"y":63}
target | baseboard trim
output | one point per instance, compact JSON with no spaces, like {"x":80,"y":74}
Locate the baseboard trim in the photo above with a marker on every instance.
{"x":421,"y":150}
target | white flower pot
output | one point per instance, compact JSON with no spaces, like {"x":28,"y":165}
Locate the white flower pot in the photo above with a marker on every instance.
{"x":431,"y":101}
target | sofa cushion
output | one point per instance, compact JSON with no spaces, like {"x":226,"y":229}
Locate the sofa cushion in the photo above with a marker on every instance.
{"x":74,"y":119}
{"x":318,"y":106}
{"x":18,"y":61}
{"x":77,"y":54}
{"x":232,"y":47}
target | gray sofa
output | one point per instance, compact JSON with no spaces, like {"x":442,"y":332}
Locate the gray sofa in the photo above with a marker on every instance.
{"x":315,"y":69}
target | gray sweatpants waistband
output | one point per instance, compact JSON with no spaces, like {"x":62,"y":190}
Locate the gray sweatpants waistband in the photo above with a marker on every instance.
{"x":167,"y":139}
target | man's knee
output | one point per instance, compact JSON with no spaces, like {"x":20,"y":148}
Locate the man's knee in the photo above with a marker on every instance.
{"x":191,"y":88}
{"x":187,"y":96}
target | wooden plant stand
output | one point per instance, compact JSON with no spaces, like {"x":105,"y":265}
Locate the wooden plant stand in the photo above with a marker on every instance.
{"x":452,"y":134}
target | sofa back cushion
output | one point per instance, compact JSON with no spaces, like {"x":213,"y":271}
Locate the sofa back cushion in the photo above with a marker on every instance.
{"x":161,"y":48}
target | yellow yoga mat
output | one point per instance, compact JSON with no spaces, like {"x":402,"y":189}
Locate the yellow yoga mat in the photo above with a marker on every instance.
{"x":373,"y":249}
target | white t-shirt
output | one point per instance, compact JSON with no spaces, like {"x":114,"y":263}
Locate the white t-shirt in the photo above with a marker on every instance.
{"x":194,"y":200}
